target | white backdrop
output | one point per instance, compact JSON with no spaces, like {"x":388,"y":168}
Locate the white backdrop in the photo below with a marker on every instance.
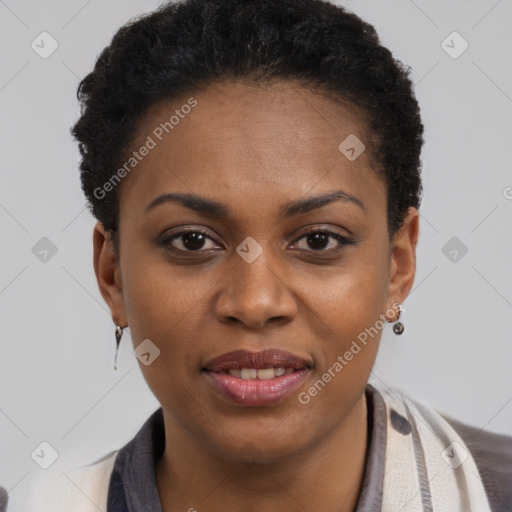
{"x":57,"y":338}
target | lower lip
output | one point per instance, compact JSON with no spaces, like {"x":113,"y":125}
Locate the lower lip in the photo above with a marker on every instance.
{"x":257,"y":392}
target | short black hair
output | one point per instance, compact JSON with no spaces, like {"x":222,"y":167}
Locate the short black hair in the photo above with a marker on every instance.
{"x":184,"y":46}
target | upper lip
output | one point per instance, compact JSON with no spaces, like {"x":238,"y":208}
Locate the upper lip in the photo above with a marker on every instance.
{"x":269,"y":358}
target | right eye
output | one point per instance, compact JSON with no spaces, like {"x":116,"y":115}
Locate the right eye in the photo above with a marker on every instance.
{"x":190,"y":240}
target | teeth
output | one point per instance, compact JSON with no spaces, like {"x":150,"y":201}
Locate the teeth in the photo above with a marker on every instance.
{"x":248,"y":373}
{"x":262,"y":374}
{"x":266,"y":373}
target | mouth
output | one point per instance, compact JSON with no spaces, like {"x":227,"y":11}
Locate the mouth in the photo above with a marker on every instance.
{"x":257,"y":378}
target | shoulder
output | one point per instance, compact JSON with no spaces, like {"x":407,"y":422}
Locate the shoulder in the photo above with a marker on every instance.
{"x":490,"y":453}
{"x":83,"y":489}
{"x":493,"y":456}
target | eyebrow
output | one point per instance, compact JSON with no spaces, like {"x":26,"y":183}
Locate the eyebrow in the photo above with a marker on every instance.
{"x":214,"y":208}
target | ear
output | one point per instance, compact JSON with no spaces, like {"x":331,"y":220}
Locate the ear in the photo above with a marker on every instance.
{"x":403,"y":258}
{"x":108,"y":274}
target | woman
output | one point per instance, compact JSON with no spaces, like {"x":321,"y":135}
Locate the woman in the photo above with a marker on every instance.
{"x":254,"y":168}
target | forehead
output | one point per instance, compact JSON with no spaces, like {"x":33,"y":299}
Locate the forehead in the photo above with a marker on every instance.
{"x":271,"y":141}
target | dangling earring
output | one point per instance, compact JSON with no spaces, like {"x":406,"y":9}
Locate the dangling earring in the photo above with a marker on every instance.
{"x":119,"y":334}
{"x":398,"y":328}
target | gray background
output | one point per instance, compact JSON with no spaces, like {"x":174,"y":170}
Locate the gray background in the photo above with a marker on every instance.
{"x":57,"y":338}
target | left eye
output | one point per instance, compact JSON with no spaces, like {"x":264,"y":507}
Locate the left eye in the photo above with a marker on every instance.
{"x":318,"y":240}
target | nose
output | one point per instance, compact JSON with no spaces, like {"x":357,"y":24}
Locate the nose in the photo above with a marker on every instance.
{"x":256,"y":294}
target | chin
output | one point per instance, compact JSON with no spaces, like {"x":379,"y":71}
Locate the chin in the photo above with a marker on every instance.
{"x":261,"y":446}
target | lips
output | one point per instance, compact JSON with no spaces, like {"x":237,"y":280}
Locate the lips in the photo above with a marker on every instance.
{"x":256,"y":378}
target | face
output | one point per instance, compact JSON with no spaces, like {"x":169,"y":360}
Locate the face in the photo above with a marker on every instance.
{"x":264,"y":277}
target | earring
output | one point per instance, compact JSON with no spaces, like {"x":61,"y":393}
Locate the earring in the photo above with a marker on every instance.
{"x":119,"y":334}
{"x":398,"y":328}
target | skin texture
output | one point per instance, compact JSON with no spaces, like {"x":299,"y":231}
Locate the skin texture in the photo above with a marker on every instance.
{"x":255,"y":148}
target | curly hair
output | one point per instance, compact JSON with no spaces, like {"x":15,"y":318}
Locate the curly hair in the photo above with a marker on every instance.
{"x":185,"y":46}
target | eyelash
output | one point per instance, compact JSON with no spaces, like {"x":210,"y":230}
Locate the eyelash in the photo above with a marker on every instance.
{"x":332,"y":234}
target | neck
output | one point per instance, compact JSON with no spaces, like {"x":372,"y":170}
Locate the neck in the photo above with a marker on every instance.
{"x":327,"y":476}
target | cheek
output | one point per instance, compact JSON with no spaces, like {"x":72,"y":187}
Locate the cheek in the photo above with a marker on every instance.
{"x":156,"y":312}
{"x":157,"y":298}
{"x":352,"y":294}
{"x":350,"y":307}
{"x":158,"y":307}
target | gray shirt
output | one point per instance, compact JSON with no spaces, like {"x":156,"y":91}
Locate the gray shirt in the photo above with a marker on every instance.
{"x":133,"y":487}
